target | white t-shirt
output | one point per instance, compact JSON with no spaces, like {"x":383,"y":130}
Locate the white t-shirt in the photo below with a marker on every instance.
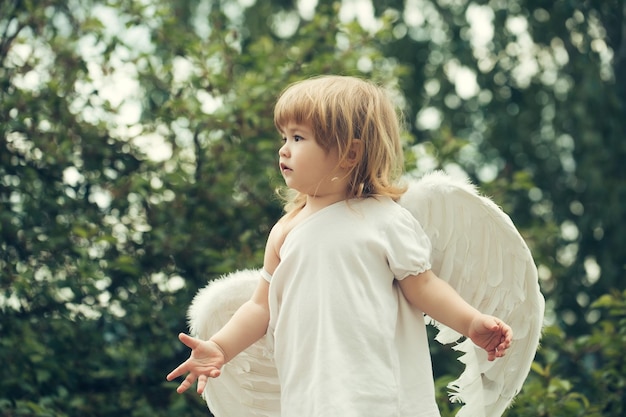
{"x":346,"y":342}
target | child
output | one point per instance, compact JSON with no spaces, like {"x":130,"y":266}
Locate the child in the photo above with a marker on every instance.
{"x":344,"y":269}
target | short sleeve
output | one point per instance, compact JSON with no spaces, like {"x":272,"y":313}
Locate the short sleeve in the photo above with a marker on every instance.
{"x":408,"y":246}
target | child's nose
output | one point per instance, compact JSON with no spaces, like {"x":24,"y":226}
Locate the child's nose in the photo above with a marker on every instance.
{"x":284,"y":150}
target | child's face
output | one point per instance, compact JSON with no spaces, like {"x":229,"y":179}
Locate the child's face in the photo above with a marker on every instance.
{"x":306,"y":166}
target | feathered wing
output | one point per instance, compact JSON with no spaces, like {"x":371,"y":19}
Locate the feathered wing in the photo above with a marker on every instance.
{"x":479,"y":252}
{"x":476,"y":248}
{"x":248,"y":385}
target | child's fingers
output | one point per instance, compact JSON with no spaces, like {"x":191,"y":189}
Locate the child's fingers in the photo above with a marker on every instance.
{"x":190,"y":342}
{"x":201,"y":383}
{"x":181,"y":369}
{"x":184,"y":386}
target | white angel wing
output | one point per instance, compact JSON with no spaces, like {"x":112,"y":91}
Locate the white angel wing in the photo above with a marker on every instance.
{"x":248,"y":385}
{"x":478,"y":250}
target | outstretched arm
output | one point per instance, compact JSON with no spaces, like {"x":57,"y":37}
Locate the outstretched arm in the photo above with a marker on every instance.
{"x":439,"y":300}
{"x":248,"y":324}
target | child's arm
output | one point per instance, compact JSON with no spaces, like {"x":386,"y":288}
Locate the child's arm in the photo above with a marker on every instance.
{"x":248,"y":324}
{"x":439,"y":300}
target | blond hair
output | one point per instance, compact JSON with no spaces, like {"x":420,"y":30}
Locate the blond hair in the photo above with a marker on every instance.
{"x":339,"y":109}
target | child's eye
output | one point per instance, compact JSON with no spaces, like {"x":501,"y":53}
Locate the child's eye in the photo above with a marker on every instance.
{"x":296,"y":138}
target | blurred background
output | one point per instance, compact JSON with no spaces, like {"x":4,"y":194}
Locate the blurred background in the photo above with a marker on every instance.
{"x":138,"y":162}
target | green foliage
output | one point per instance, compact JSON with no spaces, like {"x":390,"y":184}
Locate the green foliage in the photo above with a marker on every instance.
{"x":538,"y":105}
{"x":598,"y":387}
{"x":137,"y":162}
{"x":118,"y":203}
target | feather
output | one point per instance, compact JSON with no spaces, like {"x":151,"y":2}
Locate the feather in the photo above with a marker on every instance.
{"x":248,"y":385}
{"x":478,"y":250}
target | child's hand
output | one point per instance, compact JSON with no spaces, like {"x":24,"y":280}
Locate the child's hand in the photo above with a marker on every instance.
{"x":206,"y":360}
{"x":491,"y":334}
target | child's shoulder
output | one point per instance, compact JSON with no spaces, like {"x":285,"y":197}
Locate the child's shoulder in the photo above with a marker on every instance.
{"x":388,"y":212}
{"x":383,"y":205}
{"x":280,"y":230}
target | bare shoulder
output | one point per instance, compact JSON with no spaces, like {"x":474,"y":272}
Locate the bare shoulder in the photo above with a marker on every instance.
{"x":277,"y":234}
{"x":277,"y":237}
{"x":274,"y":243}
{"x":282,"y":228}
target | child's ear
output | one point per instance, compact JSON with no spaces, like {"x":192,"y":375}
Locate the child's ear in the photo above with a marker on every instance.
{"x":355,"y":153}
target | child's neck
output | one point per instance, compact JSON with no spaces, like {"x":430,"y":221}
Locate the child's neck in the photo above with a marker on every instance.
{"x":315,"y":203}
